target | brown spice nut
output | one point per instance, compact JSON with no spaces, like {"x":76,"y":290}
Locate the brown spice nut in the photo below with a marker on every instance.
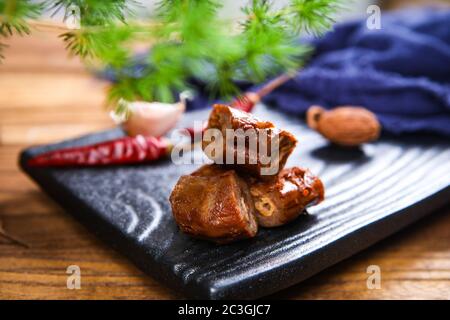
{"x":346,"y":125}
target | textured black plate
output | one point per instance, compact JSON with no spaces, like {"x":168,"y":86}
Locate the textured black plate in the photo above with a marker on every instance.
{"x":370,"y":193}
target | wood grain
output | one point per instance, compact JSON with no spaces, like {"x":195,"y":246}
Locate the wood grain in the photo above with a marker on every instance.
{"x":45,"y":97}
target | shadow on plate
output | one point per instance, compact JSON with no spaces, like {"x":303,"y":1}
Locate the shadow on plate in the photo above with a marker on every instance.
{"x":337,"y":154}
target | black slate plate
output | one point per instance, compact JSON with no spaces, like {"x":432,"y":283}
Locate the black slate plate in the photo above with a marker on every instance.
{"x":370,"y":193}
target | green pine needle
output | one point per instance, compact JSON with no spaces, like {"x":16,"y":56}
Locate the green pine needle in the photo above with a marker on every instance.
{"x":2,"y":47}
{"x":314,"y":16}
{"x":13,"y":15}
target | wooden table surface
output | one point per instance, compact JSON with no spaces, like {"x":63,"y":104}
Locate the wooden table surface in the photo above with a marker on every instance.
{"x":46,"y":97}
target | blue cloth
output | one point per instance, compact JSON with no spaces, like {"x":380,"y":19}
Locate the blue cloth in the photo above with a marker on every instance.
{"x":400,"y":72}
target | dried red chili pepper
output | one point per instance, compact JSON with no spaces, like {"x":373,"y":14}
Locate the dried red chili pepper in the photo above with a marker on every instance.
{"x":246,"y":102}
{"x":125,"y":150}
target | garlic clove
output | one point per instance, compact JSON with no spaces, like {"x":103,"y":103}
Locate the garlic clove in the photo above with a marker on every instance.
{"x":152,"y":118}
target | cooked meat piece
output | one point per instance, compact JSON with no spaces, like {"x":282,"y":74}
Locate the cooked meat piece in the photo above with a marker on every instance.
{"x":284,"y":199}
{"x":214,"y":203}
{"x":246,"y":159}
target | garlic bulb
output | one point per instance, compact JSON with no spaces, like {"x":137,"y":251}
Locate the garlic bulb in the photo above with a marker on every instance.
{"x":151,"y":118}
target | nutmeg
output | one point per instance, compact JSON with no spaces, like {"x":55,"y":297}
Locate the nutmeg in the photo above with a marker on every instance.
{"x":344,"y":125}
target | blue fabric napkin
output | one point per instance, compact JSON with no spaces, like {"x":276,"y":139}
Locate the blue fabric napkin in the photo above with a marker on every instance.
{"x":401,"y":72}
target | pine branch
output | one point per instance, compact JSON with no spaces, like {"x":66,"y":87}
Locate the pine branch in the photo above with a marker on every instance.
{"x":313,"y":16}
{"x":101,"y":28}
{"x":271,"y":47}
{"x":188,"y":38}
{"x":192,"y":42}
{"x":2,"y":47}
{"x":105,"y":45}
{"x":13,"y":15}
{"x":189,"y":43}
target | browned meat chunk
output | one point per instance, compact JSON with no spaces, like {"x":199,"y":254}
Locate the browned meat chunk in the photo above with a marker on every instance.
{"x":284,"y":199}
{"x":247,"y":159}
{"x":214,"y":204}
{"x":217,"y":204}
